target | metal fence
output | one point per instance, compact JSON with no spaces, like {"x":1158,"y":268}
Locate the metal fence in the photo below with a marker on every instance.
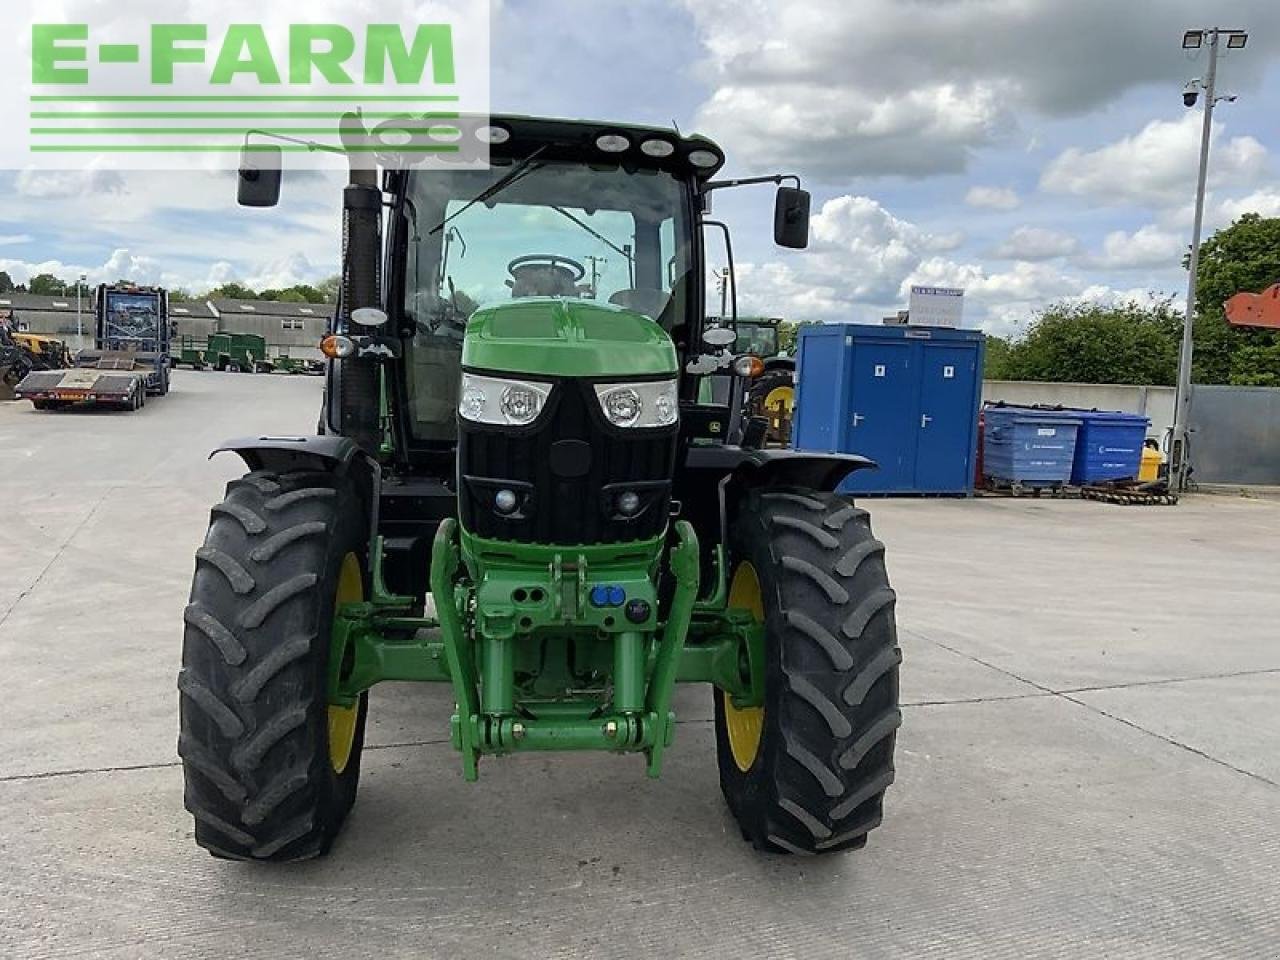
{"x":1235,"y":434}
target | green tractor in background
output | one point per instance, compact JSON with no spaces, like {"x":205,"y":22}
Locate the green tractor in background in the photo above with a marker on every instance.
{"x":771,"y":395}
{"x":534,"y":503}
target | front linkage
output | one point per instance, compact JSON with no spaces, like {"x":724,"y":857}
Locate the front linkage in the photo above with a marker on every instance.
{"x":552,"y":648}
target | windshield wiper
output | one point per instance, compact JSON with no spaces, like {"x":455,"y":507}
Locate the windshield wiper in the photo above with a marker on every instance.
{"x":595,"y":233}
{"x":488,"y":193}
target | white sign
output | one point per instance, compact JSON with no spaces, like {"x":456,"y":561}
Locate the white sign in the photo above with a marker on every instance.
{"x":935,"y":306}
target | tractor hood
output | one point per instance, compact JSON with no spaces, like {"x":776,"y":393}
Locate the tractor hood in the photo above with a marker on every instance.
{"x":558,"y":337}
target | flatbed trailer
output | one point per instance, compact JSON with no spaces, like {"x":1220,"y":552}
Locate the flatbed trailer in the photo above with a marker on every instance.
{"x":129,"y":360}
{"x":125,"y":389}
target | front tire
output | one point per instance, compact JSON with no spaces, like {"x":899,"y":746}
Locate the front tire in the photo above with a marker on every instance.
{"x":271,"y":767}
{"x":806,"y":773}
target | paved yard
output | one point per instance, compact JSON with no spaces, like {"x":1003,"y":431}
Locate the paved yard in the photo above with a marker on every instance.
{"x":1089,"y":765}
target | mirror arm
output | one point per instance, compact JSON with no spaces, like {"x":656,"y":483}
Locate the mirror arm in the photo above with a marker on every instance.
{"x":776,"y":178}
{"x":309,"y":144}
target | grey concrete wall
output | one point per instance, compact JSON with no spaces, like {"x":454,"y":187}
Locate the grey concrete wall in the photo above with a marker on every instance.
{"x":1235,"y":434}
{"x":1154,"y":402}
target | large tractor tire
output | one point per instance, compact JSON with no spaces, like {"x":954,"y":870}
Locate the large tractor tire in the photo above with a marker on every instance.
{"x":806,"y":772}
{"x":271,"y":767}
{"x":772,"y":396}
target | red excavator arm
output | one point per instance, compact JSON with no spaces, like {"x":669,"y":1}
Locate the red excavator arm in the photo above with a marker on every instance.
{"x":1255,"y":309}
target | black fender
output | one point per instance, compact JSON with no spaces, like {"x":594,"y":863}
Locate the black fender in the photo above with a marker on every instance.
{"x":328,"y":453}
{"x":733,"y":471}
{"x":780,"y":363}
{"x":774,"y":467}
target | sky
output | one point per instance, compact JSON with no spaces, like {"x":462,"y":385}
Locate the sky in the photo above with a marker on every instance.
{"x":1029,"y":151}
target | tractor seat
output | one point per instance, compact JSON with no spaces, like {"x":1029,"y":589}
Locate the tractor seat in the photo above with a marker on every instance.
{"x":647,"y":301}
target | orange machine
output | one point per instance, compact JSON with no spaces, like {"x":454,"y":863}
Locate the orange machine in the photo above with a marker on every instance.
{"x":1255,"y":309}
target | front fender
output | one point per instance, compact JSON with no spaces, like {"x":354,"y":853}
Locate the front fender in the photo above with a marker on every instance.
{"x":292,"y":453}
{"x":774,"y":467}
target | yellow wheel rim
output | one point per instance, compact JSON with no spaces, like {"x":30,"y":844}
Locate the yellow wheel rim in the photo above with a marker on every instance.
{"x":780,"y":399}
{"x":744,"y":724}
{"x":342,"y":720}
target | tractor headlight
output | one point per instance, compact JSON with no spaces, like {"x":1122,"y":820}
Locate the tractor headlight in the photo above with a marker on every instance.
{"x":649,"y":404}
{"x":499,"y":401}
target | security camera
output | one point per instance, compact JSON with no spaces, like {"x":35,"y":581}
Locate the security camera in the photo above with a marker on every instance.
{"x":1191,"y":93}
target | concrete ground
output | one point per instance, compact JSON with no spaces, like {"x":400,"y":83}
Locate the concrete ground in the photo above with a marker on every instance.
{"x":1089,"y":764}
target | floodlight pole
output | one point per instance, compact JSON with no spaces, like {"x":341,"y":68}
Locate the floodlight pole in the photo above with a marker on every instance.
{"x":1179,"y":462}
{"x":79,"y":325}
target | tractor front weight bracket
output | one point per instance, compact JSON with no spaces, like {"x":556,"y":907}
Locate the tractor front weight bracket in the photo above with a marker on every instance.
{"x":518,"y":642}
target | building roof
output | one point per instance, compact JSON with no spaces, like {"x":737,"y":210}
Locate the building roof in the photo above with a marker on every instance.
{"x":21,"y":303}
{"x":272,"y":308}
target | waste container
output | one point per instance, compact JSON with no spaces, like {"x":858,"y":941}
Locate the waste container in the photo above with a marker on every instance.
{"x":1023,"y":447}
{"x":1108,"y":446}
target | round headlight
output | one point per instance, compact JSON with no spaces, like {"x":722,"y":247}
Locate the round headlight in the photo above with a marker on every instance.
{"x":471,"y":405}
{"x":703,"y":159}
{"x":623,"y":407}
{"x":520,"y":404}
{"x":613,"y":143}
{"x":665,"y":409}
{"x":657,"y":148}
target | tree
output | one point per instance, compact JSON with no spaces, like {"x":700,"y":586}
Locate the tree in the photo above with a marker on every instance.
{"x":788,"y":334}
{"x":181,"y":295}
{"x":231,"y":291}
{"x":1090,"y":343}
{"x":6,"y":282}
{"x":996,"y":363}
{"x":46,"y":285}
{"x":329,"y":288}
{"x":1242,"y":257}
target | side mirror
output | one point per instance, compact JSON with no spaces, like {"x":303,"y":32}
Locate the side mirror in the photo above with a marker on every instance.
{"x":258,"y":184}
{"x":791,"y":218}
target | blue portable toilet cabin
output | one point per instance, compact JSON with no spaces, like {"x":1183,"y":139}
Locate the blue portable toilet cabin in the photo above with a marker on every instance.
{"x":907,"y":397}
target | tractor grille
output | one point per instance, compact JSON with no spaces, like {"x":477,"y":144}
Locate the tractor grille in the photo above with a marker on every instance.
{"x":567,"y":471}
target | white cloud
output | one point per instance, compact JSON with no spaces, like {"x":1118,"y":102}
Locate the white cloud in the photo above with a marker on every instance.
{"x":992,"y":198}
{"x":881,"y":87}
{"x":1148,"y":246}
{"x":1265,"y":202}
{"x":67,"y":184}
{"x":1154,"y":167}
{"x":120,"y":265}
{"x":1036,"y":243}
{"x":917,"y":133}
{"x":868,"y":248}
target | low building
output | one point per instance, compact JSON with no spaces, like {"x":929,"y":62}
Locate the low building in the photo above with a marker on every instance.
{"x":292,"y":328}
{"x":54,"y":316}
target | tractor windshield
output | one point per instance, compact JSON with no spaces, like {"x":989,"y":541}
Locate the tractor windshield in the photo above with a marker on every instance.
{"x":758,"y":338}
{"x":599,"y":233}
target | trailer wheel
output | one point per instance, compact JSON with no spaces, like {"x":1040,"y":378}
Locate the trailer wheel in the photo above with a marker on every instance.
{"x":806,"y":772}
{"x":270,"y":765}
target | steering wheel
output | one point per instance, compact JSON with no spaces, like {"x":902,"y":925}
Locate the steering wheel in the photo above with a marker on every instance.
{"x":547,"y":260}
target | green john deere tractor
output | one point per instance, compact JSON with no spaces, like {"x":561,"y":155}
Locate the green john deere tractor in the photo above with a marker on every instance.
{"x":533,"y":502}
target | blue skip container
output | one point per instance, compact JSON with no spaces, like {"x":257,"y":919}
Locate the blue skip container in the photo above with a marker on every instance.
{"x":1108,"y":446}
{"x":1023,"y":447}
